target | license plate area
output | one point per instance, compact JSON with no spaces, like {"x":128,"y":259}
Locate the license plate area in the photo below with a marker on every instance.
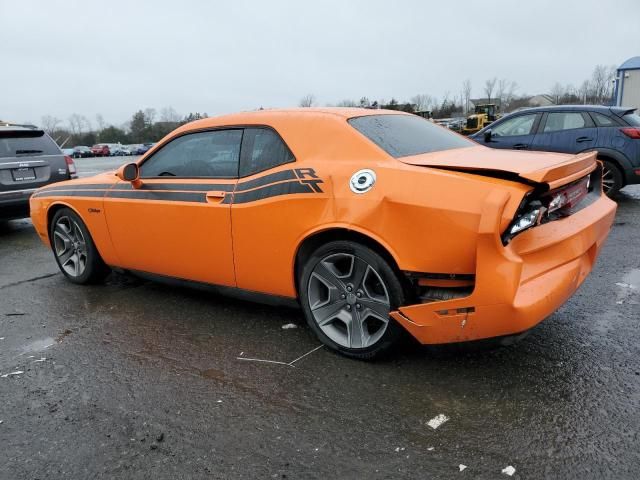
{"x":24,"y":174}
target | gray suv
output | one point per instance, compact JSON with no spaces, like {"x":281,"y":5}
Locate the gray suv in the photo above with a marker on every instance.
{"x":29,"y":159}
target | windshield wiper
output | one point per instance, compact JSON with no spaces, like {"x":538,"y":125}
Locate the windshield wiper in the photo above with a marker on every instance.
{"x":19,"y":152}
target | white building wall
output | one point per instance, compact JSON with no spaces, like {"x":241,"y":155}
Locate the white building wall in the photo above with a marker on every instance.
{"x":631,"y":89}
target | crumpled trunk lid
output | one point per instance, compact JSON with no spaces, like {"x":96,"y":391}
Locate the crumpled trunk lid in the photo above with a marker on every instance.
{"x":554,"y":169}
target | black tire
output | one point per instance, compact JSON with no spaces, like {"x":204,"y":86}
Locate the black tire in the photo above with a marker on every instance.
{"x":612,"y":178}
{"x":382,"y":274}
{"x":93,"y":270}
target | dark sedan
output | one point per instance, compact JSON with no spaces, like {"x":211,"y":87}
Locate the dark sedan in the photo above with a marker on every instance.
{"x":613,"y":131}
{"x":82,"y":152}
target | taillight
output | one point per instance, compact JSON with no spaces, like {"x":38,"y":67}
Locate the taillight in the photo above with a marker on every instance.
{"x":70,"y":165}
{"x":631,"y":132}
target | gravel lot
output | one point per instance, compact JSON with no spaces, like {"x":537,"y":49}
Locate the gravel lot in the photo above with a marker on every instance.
{"x":138,"y":380}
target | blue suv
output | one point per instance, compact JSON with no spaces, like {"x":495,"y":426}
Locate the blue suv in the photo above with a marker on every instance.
{"x":613,"y":131}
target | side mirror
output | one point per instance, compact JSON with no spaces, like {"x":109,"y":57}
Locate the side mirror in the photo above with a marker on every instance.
{"x":129,"y":172}
{"x":487,"y":136}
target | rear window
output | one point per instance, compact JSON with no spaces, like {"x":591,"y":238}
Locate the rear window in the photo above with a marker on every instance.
{"x":602,"y":120}
{"x":26,"y":143}
{"x":632,"y":119}
{"x":405,"y":135}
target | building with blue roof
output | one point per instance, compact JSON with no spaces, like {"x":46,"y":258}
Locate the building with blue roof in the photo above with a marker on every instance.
{"x":628,"y":84}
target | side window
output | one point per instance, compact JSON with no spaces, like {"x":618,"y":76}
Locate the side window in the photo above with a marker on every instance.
{"x":520,"y":125}
{"x":557,"y":121}
{"x":262,"y":149}
{"x":602,"y":120}
{"x":213,"y":154}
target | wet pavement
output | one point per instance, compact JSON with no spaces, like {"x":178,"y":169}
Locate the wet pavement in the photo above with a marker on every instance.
{"x":134,"y":379}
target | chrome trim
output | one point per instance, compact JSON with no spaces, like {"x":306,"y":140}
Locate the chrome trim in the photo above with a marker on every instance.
{"x":27,"y":162}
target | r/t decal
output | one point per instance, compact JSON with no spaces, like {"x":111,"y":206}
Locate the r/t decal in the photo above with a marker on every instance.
{"x":308,"y":176}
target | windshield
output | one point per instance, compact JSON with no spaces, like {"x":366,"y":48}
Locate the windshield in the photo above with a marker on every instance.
{"x":405,"y":135}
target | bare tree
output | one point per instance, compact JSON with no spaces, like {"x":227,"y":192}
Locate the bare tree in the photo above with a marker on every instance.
{"x":347,"y":103}
{"x":489,"y":85}
{"x":100,"y":122}
{"x":583,"y":91}
{"x":505,"y":92}
{"x":150,"y":116}
{"x":557,"y":92}
{"x":466,"y":94}
{"x":600,"y":82}
{"x":76,"y":124}
{"x":422,"y":102}
{"x":50,"y":124}
{"x":612,"y":72}
{"x":308,"y":100}
{"x":168,"y":114}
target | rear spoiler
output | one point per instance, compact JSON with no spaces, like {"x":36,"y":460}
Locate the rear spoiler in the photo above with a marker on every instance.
{"x":576,"y":167}
{"x":622,"y":111}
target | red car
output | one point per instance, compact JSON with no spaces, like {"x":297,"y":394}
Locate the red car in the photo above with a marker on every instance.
{"x":100,"y":150}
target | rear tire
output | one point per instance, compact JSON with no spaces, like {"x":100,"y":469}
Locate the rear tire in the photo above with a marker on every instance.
{"x":74,"y":250}
{"x":612,"y":180}
{"x":347,"y":291}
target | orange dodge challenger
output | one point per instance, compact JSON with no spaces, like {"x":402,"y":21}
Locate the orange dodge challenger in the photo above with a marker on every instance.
{"x":374,"y":221}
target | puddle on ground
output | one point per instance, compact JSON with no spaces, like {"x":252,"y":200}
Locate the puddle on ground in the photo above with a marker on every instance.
{"x":629,"y":287}
{"x":633,"y":278}
{"x":39,"y":345}
{"x":212,"y":373}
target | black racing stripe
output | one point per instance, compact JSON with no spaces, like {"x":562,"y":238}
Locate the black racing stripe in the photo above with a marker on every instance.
{"x":197,"y":187}
{"x":275,"y":190}
{"x":196,"y":197}
{"x":266,"y":180}
{"x":204,"y":187}
{"x":84,"y":186}
{"x":70,"y":193}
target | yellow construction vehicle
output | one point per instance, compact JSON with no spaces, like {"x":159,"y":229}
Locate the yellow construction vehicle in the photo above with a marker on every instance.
{"x":483,"y":115}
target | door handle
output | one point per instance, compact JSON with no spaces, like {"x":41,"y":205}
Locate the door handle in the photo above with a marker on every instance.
{"x":583,"y":139}
{"x":215,"y":196}
{"x":520,"y":146}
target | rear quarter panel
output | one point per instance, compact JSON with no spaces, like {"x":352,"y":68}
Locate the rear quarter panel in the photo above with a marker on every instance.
{"x":427,"y":217}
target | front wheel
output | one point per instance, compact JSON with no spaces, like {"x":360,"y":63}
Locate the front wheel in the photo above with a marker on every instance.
{"x":74,"y":250}
{"x":347,"y":291}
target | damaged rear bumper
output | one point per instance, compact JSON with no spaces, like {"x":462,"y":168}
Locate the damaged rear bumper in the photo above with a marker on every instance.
{"x":518,"y":285}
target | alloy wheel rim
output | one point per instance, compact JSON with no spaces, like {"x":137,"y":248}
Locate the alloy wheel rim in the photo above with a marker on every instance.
{"x":607,"y":179}
{"x":70,"y":246}
{"x":349,"y":300}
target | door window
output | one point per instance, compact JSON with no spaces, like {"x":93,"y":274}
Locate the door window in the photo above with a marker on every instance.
{"x":520,"y":125}
{"x":212,"y":154}
{"x":262,"y":149}
{"x":557,"y":121}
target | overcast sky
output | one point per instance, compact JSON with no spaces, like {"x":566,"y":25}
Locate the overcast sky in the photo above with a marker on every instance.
{"x":115,"y":57}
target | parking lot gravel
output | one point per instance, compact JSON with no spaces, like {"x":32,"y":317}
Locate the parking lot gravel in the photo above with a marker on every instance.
{"x":134,"y":379}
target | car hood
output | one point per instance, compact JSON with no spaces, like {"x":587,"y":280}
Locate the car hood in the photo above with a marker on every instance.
{"x":538,"y":167}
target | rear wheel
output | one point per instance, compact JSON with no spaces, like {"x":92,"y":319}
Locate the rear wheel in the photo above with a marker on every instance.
{"x":612,"y":180}
{"x":74,"y":250}
{"x":347,"y":291}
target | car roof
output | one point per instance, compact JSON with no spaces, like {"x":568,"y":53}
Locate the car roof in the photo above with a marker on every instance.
{"x":576,"y":108}
{"x":264,"y":116}
{"x":12,"y":127}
